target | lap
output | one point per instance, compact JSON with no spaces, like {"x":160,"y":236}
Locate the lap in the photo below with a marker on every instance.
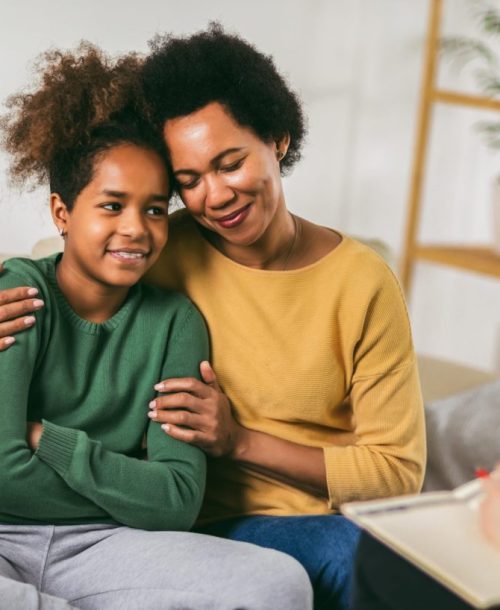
{"x":324,"y":544}
{"x":313,"y":538}
{"x":15,"y":594}
{"x":122,"y":567}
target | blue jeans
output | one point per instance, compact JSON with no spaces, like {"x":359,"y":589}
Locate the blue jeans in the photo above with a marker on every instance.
{"x":324,"y":544}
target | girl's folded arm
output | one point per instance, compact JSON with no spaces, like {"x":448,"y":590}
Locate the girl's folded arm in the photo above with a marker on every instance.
{"x":164,"y":492}
{"x":30,"y":490}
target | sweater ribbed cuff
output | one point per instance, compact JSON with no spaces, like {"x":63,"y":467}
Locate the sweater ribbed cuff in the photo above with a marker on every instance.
{"x":56,"y":446}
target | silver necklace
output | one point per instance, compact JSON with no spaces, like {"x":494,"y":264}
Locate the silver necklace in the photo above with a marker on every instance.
{"x":293,"y":244}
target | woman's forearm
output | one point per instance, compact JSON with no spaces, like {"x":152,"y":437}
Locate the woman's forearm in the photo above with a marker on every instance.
{"x":297,"y":465}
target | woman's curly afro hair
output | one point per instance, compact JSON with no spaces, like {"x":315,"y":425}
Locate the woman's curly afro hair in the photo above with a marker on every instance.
{"x":184,"y":74}
{"x":82,"y":104}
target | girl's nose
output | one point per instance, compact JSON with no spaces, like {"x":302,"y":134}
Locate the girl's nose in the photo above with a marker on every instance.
{"x":133,"y":224}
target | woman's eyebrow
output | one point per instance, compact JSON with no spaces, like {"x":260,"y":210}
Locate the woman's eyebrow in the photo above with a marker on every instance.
{"x":213,"y":161}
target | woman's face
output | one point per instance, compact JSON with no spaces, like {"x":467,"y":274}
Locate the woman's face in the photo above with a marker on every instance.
{"x":118,"y":224}
{"x":228,"y":178}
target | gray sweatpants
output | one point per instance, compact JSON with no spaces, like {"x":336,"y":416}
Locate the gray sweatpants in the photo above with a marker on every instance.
{"x":101,"y":567}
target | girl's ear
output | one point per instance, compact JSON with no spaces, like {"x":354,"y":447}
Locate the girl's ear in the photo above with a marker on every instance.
{"x":282,"y":146}
{"x":60,"y":213}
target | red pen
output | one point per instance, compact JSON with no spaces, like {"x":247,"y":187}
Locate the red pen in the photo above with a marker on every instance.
{"x":481,"y":473}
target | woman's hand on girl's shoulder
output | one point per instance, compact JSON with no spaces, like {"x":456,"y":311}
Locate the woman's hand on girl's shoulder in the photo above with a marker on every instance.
{"x":15,"y":306}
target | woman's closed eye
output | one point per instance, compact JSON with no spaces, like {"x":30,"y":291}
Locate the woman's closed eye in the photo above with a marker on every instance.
{"x":195,"y":180}
{"x":231,"y":167}
{"x":188,"y":184}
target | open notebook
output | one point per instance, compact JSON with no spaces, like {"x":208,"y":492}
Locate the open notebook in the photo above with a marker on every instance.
{"x":438,"y":532}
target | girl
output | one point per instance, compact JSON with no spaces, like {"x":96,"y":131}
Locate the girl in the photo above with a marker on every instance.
{"x":76,"y":500}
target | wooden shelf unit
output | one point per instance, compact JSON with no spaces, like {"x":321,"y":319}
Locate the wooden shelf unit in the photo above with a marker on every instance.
{"x":475,"y":259}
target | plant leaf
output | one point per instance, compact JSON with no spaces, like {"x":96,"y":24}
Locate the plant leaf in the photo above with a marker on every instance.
{"x":491,"y":133}
{"x":461,"y":51}
{"x":490,"y":21}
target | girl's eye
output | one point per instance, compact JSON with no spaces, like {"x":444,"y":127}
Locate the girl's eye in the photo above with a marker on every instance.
{"x":156,"y":210}
{"x":112,"y":207}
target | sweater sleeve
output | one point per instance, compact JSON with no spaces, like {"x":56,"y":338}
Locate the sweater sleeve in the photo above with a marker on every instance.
{"x":388,"y":456}
{"x":29,"y":489}
{"x":165,"y":492}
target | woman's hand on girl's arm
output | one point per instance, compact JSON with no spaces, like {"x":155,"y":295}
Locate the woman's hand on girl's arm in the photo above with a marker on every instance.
{"x":15,"y":306}
{"x":200,"y":414}
{"x":197,"y":412}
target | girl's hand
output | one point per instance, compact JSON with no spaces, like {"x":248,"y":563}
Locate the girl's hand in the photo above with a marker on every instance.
{"x":489,"y":514}
{"x":34,"y":432}
{"x":15,"y":303}
{"x":197,"y":412}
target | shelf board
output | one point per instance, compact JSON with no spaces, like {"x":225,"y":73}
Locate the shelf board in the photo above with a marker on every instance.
{"x":463,"y":99}
{"x":476,"y":259}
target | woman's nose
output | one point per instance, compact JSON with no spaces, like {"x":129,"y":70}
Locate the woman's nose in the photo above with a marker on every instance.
{"x":217,"y":192}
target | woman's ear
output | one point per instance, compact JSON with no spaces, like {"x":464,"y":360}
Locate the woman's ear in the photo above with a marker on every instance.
{"x":282,"y":146}
{"x":60,"y":213}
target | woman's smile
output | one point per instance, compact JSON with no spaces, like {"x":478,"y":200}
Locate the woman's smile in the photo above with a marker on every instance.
{"x":230,"y":221}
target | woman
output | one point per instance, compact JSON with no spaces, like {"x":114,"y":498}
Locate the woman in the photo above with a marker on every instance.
{"x":77,"y":501}
{"x":316,"y":399}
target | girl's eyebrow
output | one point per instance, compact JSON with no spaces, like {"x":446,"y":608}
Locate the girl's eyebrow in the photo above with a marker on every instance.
{"x":122,"y":195}
{"x":117,"y":194}
{"x":213,"y":161}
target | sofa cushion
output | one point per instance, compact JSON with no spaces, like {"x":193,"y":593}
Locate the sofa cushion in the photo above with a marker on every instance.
{"x":463,"y":433}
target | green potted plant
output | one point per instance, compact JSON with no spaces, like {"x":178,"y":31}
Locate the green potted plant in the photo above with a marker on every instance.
{"x":481,"y":53}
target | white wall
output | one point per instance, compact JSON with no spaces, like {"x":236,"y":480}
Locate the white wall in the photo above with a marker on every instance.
{"x":357,"y":66}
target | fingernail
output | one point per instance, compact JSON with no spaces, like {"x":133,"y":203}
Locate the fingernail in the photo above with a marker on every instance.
{"x":32,"y":292}
{"x":152,"y":414}
{"x":38,"y":303}
{"x":159,"y":387}
{"x":152,"y":404}
{"x":29,"y":320}
{"x":166,"y":427}
{"x":9,"y":340}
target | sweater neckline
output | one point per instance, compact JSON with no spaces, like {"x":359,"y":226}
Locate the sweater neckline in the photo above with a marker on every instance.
{"x":80,"y":323}
{"x":273,"y":272}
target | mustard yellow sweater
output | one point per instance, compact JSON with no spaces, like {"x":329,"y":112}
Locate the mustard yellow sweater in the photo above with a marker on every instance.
{"x":321,"y":356}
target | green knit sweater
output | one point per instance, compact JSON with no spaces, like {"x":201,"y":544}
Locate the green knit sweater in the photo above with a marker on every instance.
{"x":90,"y":384}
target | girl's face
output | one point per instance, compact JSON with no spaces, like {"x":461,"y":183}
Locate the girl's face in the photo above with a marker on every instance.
{"x":228,"y":178}
{"x":118,"y":224}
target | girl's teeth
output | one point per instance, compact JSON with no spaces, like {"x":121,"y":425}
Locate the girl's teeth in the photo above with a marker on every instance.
{"x":130,"y":254}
